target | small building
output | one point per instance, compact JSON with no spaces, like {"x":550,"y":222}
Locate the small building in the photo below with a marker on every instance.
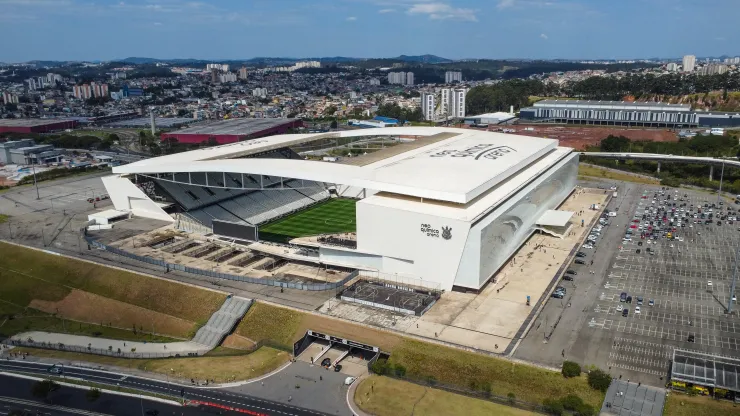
{"x":34,"y":155}
{"x":6,"y":147}
{"x":489,"y":118}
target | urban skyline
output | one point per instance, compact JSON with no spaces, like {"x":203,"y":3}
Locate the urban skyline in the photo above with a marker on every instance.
{"x":524,"y":29}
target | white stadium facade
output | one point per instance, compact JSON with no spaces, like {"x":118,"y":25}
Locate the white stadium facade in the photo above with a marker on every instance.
{"x":449,"y":206}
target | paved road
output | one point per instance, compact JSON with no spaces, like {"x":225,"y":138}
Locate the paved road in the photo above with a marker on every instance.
{"x":553,"y":335}
{"x":221,"y":397}
{"x":15,"y":395}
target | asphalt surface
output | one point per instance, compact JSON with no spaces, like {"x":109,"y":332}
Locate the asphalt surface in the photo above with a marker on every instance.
{"x":200,"y":394}
{"x":15,"y":395}
{"x":686,"y":313}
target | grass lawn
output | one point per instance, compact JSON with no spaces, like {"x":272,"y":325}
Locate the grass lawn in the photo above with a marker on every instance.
{"x":601,"y":173}
{"x":679,"y":404}
{"x":332,"y":216}
{"x":421,"y":359}
{"x":462,"y":368}
{"x":218,"y":368}
{"x":4,"y":218}
{"x":39,"y":288}
{"x":285,"y":326}
{"x":36,"y":275}
{"x":383,"y":396}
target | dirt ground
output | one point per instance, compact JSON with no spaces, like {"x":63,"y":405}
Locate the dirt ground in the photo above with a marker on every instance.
{"x":87,"y":307}
{"x":579,"y":137}
{"x":238,"y":342}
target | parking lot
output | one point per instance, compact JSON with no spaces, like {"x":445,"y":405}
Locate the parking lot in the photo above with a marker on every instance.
{"x":654,"y":288}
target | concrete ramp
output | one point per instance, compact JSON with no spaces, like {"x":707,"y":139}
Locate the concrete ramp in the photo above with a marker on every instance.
{"x":222,"y":321}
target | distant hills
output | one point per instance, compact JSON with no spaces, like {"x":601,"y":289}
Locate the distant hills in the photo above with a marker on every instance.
{"x":427,"y":59}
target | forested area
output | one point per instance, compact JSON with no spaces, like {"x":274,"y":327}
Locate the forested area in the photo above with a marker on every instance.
{"x":499,"y":96}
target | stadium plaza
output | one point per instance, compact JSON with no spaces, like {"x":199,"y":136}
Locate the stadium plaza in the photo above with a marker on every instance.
{"x":448,"y":233}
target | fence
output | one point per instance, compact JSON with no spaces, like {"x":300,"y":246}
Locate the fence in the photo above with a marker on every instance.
{"x":213,"y":274}
{"x":100,"y":351}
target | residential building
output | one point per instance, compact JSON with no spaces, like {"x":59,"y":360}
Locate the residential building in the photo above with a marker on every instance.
{"x":35,"y":83}
{"x":82,"y":92}
{"x":453,"y":76}
{"x":227,"y":77}
{"x":428,"y":105}
{"x":712,"y":69}
{"x":457,"y":105}
{"x":673,"y":67}
{"x":99,"y":90}
{"x":214,"y":75}
{"x":401,"y":78}
{"x":9,"y":98}
{"x":217,"y":67}
{"x":374,"y":81}
{"x":259,"y":92}
{"x":52,"y":78}
{"x":689,"y":62}
{"x":243,"y":73}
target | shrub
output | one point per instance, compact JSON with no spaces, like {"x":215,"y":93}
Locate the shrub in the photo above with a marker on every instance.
{"x":399,"y":370}
{"x":571,"y":402}
{"x":486,"y":388}
{"x":512,"y":397}
{"x":554,"y":407}
{"x":585,"y":410}
{"x":380,"y":367}
{"x":599,"y":380}
{"x":571,"y":369}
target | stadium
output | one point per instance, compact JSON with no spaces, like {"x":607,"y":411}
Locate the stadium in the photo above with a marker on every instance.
{"x":444,"y":206}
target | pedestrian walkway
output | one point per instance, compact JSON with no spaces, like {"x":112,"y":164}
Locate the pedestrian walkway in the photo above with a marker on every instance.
{"x":207,"y":337}
{"x":222,"y":321}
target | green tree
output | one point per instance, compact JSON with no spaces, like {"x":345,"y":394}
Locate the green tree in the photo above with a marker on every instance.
{"x":42,"y":389}
{"x":553,"y":407}
{"x":330,"y":110}
{"x":599,"y":380}
{"x":92,"y":395}
{"x":571,"y":369}
{"x":333,"y":124}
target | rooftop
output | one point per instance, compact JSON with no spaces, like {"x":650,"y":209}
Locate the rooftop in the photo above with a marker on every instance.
{"x":706,"y":370}
{"x":30,"y":122}
{"x":457,"y":169}
{"x":627,"y":105}
{"x":236,"y":127}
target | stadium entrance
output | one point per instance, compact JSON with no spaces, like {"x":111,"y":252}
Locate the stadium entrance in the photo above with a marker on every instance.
{"x":335,"y":353}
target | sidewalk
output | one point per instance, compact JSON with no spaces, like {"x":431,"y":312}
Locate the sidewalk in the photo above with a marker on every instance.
{"x":80,"y":342}
{"x":356,"y":411}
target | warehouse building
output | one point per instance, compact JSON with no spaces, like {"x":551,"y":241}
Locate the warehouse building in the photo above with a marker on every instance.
{"x":234,"y":130}
{"x":621,"y":113}
{"x":35,"y":125}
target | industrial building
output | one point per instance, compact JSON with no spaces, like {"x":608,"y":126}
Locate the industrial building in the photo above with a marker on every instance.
{"x":39,"y":125}
{"x":27,"y":152}
{"x":234,"y":130}
{"x":447,"y":209}
{"x":622,"y":113}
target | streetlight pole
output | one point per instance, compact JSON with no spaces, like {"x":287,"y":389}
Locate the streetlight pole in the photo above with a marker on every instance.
{"x":734,"y":280}
{"x":721,"y":177}
{"x":34,"y":181}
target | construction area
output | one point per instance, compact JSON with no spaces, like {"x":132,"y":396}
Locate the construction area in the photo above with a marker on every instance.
{"x":213,"y":255}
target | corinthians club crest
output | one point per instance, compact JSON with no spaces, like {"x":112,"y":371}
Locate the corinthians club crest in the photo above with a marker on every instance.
{"x":446,"y":233}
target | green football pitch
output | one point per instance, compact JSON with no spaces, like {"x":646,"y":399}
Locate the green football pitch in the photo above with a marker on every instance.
{"x":332,"y":216}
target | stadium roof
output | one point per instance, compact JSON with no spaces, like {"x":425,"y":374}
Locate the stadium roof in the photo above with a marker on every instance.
{"x":706,"y":370}
{"x":457,"y":169}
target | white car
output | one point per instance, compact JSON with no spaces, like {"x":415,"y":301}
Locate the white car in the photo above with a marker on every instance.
{"x":588,"y":246}
{"x":709,"y":283}
{"x":637,"y":309}
{"x":619,"y":308}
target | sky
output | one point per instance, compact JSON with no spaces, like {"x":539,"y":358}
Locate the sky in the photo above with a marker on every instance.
{"x":455,"y":29}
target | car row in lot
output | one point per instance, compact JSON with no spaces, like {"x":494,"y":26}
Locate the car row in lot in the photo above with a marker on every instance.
{"x":559,"y":292}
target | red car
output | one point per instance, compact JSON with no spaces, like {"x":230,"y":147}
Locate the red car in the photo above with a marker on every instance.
{"x":633,"y":226}
{"x":635,"y":220}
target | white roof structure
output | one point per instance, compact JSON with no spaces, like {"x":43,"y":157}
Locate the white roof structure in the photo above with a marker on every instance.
{"x":555,"y":218}
{"x":458,"y":169}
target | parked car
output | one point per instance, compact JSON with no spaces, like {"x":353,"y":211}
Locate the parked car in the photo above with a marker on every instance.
{"x":651,"y":302}
{"x":623,"y":297}
{"x":573,"y":272}
{"x":579,"y":261}
{"x":625,"y":312}
{"x":568,"y":277}
{"x":326,"y":362}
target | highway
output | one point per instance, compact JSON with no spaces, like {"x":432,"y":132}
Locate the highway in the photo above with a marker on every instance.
{"x":217,"y":399}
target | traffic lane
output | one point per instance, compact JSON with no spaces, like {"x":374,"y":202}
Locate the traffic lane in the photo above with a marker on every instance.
{"x":15,"y":394}
{"x":160,"y":387}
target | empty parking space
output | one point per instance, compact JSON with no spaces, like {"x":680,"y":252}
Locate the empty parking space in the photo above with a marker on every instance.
{"x":665,"y":284}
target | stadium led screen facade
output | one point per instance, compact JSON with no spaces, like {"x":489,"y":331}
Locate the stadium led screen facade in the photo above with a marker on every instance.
{"x":234,"y":230}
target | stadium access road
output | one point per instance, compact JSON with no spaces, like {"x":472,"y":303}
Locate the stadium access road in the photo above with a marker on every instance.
{"x":113,"y":379}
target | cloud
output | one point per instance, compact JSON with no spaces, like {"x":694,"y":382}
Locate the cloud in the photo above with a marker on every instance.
{"x":351,"y":19}
{"x":157,"y":23}
{"x":383,"y":11}
{"x":503,"y":4}
{"x":441,"y":11}
{"x":544,"y":36}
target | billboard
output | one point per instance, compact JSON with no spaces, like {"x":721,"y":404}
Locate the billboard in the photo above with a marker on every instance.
{"x":234,"y":230}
